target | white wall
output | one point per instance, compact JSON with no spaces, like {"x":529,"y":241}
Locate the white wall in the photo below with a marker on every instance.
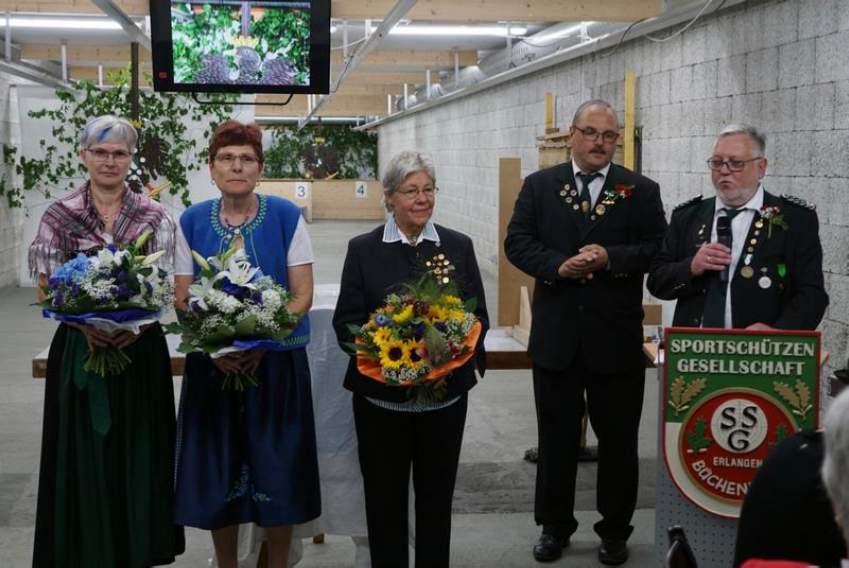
{"x":778,"y":64}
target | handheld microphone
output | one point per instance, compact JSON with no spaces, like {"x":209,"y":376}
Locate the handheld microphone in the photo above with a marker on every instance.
{"x":723,"y":237}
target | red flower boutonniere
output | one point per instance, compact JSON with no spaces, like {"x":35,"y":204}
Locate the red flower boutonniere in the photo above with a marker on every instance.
{"x":623,"y":191}
{"x":619,"y":192}
{"x":773,"y":216}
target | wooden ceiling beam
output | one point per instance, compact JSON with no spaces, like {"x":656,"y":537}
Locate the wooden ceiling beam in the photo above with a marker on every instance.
{"x":504,"y":10}
{"x":414,"y":58}
{"x":376,"y":78}
{"x":110,"y":55}
{"x":432,"y":10}
{"x":81,"y":7}
{"x":338,"y":105}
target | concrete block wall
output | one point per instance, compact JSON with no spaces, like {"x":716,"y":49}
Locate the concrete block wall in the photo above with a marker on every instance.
{"x":11,"y":220}
{"x":778,"y":64}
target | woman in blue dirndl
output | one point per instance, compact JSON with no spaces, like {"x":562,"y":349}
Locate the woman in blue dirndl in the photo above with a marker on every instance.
{"x":248,"y":456}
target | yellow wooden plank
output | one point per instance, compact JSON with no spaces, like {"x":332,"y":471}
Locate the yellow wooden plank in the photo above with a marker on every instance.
{"x":630,"y":119}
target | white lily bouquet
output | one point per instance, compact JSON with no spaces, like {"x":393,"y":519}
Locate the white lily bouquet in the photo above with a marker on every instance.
{"x":117,"y":289}
{"x":232,"y":307}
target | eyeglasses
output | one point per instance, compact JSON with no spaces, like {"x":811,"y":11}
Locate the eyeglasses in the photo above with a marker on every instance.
{"x":101,"y":155}
{"x":411,"y":193}
{"x":592,"y":134}
{"x":228,"y":159}
{"x":734,"y":165}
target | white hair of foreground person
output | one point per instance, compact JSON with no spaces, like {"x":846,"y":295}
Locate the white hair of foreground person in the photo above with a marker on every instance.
{"x":835,"y":466}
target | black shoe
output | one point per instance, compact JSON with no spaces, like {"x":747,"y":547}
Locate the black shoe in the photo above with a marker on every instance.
{"x":613,"y":552}
{"x":549,"y":548}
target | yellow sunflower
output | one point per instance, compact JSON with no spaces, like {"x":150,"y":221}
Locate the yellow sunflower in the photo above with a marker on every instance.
{"x":415,"y":351}
{"x":456,"y":315}
{"x":404,"y":314}
{"x":438,"y":313}
{"x":393,"y":355}
{"x":450,"y":300}
{"x":381,"y":336}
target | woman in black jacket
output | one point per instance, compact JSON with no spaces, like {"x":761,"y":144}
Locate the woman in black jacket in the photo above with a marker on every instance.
{"x":396,"y":429}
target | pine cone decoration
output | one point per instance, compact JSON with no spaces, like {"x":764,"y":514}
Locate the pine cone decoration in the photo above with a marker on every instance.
{"x":278,"y":72}
{"x":214,"y":70}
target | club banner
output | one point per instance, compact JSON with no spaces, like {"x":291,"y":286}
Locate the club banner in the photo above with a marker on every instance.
{"x":729,"y":396}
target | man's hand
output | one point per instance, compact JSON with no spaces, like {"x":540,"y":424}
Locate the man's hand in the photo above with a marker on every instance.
{"x":589,"y":259}
{"x":710,"y":256}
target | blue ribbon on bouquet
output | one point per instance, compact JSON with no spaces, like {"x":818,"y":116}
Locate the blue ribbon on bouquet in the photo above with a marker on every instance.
{"x":119,"y":316}
{"x":269,"y":344}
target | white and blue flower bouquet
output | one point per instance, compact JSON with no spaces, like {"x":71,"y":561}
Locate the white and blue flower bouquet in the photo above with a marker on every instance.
{"x":116,"y":289}
{"x":233,"y":307}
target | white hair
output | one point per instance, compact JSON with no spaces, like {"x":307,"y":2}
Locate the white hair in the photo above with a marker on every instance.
{"x":835,"y":466}
{"x":109,"y":128}
{"x":757,"y":137}
{"x":402,"y":165}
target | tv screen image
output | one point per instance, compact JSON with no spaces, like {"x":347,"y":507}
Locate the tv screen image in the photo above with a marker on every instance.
{"x":241,"y":45}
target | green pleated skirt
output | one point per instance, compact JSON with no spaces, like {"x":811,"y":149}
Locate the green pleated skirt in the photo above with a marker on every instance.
{"x":106,"y":491}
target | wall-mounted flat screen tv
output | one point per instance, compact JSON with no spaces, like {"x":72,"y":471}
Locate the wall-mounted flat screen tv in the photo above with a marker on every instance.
{"x":241,"y":46}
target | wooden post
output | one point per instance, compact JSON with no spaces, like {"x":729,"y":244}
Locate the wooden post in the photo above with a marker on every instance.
{"x":549,"y":113}
{"x":510,"y":278}
{"x":630,"y":119}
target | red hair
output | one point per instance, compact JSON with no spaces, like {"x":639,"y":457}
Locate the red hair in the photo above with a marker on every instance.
{"x":234,"y":133}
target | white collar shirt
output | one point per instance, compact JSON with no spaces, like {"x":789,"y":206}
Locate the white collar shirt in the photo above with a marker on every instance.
{"x":596,"y":184}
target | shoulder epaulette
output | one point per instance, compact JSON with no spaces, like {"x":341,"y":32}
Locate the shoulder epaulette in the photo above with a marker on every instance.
{"x":687,"y":203}
{"x":798,"y":201}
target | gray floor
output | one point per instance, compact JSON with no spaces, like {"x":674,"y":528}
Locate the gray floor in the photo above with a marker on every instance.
{"x":493,"y":521}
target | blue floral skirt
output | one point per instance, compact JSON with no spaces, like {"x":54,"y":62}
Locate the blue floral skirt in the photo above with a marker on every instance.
{"x":250,"y":456}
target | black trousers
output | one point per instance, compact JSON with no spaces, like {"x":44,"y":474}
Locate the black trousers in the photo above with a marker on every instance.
{"x":614,"y":403}
{"x":390,"y":444}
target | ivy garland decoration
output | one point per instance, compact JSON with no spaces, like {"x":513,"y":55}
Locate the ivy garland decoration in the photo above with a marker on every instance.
{"x":293,"y":152}
{"x":165,"y":150}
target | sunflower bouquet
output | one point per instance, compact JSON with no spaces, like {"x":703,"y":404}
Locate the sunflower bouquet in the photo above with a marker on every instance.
{"x":418,"y":336}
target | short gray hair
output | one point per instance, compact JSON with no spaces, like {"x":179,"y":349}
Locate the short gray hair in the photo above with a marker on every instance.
{"x":583,"y":107}
{"x":402,"y":165}
{"x":109,"y":128}
{"x":835,"y":466}
{"x":757,"y":137}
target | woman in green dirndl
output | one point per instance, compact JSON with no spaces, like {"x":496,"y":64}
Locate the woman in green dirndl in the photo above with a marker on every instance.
{"x":106,"y":491}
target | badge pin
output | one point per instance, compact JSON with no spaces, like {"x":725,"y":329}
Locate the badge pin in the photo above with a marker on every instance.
{"x":585,"y":206}
{"x":563,"y":193}
{"x":747,"y":272}
{"x":753,"y":242}
{"x":750,"y":249}
{"x":600,"y":209}
{"x":764,"y":282}
{"x":567,"y":186}
{"x":747,"y":260}
{"x":759,"y":224}
{"x":757,"y":233}
{"x":568,"y":200}
{"x":575,"y":207}
{"x":592,"y":217}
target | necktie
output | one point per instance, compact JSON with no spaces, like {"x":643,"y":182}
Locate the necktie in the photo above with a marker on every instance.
{"x":714,"y":312}
{"x":586,"y":198}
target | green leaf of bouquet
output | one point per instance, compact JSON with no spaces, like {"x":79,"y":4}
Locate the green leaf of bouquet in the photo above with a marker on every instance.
{"x":437,"y":347}
{"x":470,"y":305}
{"x":246,"y":326}
{"x":354,"y":329}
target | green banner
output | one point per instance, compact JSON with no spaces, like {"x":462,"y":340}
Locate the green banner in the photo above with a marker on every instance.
{"x":729,"y":396}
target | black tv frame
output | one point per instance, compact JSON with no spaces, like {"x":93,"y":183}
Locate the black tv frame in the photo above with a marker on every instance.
{"x":162,"y":53}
